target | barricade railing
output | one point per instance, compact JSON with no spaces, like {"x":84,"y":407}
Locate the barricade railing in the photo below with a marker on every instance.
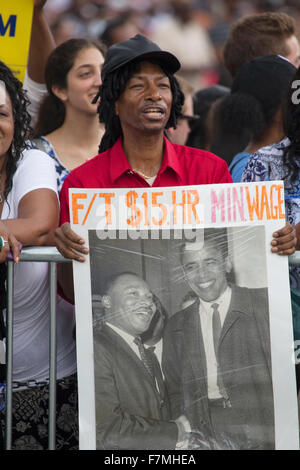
{"x":52,"y":256}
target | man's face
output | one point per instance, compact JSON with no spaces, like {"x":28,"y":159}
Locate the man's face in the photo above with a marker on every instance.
{"x":294,"y":47}
{"x":131,"y":304}
{"x":83,"y":81}
{"x":205,"y":270}
{"x":145,"y":103}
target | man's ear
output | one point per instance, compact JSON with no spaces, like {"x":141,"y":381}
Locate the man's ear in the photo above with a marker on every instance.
{"x":59,"y":92}
{"x":106,"y":301}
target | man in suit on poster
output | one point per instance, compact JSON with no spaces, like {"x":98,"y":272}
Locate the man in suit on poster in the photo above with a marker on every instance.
{"x":216,"y":357}
{"x":132,"y":409}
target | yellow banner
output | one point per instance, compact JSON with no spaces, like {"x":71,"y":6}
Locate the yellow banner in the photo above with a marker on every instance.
{"x":15,"y":29}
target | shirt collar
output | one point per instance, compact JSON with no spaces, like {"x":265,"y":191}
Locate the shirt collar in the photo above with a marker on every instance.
{"x":120,"y":165}
{"x":224,"y":299}
{"x":118,"y":161}
{"x":223,"y":305}
{"x":126,"y":336}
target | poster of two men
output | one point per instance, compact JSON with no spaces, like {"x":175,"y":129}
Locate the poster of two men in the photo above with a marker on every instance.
{"x":184,"y":339}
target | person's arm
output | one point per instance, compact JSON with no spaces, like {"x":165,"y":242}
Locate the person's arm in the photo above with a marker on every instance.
{"x":38,"y":214}
{"x":41,"y":44}
{"x":33,"y":201}
{"x":66,"y":240}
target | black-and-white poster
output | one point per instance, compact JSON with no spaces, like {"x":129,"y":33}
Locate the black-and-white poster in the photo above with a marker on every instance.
{"x":184,"y":326}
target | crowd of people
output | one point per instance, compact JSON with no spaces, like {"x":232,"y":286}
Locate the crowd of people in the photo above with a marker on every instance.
{"x":183,"y":27}
{"x":171,"y":93}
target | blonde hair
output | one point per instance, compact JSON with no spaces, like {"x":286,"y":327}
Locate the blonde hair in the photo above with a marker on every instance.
{"x":257,"y":35}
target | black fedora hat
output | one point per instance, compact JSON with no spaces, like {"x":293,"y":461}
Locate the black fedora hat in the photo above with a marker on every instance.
{"x":137,"y":48}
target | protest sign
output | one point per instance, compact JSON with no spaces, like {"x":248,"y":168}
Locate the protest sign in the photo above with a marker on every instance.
{"x":184,"y":249}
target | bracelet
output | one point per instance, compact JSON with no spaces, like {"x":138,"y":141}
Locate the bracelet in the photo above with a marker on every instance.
{"x":2,"y":242}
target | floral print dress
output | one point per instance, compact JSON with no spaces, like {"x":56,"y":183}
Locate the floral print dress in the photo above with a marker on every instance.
{"x":43,"y":144}
{"x":267,"y":165}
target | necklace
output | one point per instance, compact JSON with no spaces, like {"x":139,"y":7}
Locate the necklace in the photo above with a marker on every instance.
{"x":143,"y":174}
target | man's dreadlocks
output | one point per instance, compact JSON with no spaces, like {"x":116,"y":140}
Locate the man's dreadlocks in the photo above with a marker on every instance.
{"x":113,"y":86}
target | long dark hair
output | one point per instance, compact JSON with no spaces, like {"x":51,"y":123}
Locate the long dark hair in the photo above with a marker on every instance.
{"x":19,"y":102}
{"x":202,"y":101}
{"x":21,"y":117}
{"x":61,"y":60}
{"x":257,"y":94}
{"x":113,"y":86}
{"x":236,"y":120}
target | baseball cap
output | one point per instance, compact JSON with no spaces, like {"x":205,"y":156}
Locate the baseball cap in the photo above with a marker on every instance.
{"x":137,"y":48}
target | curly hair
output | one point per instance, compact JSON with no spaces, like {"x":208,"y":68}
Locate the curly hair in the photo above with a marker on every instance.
{"x":21,"y":117}
{"x":111,"y":89}
{"x":19,"y":102}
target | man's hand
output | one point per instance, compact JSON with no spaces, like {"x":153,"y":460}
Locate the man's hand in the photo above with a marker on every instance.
{"x":284,"y":241}
{"x":69,"y":243}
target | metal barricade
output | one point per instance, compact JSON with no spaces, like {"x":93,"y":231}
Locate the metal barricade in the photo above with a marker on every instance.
{"x":52,"y":256}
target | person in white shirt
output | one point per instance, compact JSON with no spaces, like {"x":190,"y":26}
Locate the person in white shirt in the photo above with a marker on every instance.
{"x":29,"y":211}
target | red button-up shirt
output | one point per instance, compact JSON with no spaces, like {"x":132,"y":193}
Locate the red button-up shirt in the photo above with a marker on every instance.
{"x":181,"y":166}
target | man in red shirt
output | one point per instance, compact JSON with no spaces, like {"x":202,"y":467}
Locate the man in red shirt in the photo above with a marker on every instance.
{"x":140,"y":98}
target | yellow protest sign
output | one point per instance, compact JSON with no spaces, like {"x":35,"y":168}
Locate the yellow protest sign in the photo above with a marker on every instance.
{"x":15,"y":29}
